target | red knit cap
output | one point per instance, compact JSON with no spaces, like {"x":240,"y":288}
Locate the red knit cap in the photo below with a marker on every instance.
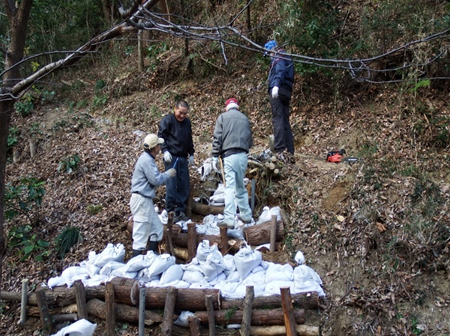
{"x":230,"y":103}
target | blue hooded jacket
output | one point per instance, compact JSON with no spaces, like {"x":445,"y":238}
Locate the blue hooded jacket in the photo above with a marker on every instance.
{"x":281,"y":73}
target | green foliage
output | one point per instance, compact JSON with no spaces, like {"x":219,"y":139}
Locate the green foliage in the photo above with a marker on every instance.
{"x":69,"y":164}
{"x":24,"y":198}
{"x":25,"y":106}
{"x":29,"y":244}
{"x":153,"y":53}
{"x":67,"y":239}
{"x":12,"y":137}
{"x":230,"y":312}
{"x":94,"y":209}
{"x":421,"y":84}
{"x":35,"y":130}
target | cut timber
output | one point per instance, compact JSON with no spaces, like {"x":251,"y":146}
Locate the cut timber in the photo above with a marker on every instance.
{"x":302,"y":330}
{"x":181,"y":240}
{"x":187,"y":298}
{"x":124,"y":313}
{"x":96,"y":307}
{"x":260,"y":234}
{"x":308,"y":300}
{"x":259,"y":317}
{"x":205,"y":210}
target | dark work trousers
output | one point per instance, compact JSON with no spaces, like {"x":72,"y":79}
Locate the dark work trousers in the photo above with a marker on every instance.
{"x":281,"y":127}
{"x":178,"y":187}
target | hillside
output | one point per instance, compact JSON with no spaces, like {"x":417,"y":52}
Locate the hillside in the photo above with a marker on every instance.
{"x":377,"y":232}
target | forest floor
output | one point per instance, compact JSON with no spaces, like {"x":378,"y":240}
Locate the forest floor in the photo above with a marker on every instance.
{"x":377,"y":231}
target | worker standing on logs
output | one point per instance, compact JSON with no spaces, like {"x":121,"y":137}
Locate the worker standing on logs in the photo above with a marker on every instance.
{"x":232,"y":141}
{"x":147,"y":227}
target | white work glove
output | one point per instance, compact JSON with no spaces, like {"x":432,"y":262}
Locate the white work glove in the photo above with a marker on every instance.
{"x":167,"y":157}
{"x":191,"y":160}
{"x":214,"y":163}
{"x":171,"y":172}
{"x":275,"y":92}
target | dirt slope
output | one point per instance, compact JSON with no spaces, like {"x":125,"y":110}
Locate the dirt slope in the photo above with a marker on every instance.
{"x":377,"y":232}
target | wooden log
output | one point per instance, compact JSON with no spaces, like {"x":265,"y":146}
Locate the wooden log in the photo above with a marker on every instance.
{"x":64,"y":318}
{"x":260,"y":234}
{"x":110,"y":309}
{"x":309,"y":300}
{"x":302,"y":330}
{"x":205,"y":210}
{"x":258,"y":317}
{"x":247,"y":313}
{"x":210,"y":312}
{"x":284,"y":217}
{"x":124,"y":313}
{"x":71,"y":309}
{"x":181,"y":240}
{"x":187,"y":298}
{"x":46,"y":320}
{"x":166,"y":328}
{"x":288,"y":310}
{"x":192,"y":241}
{"x":80,"y":298}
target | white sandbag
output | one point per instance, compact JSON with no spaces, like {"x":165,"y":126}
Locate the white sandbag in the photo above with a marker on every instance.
{"x":219,"y":278}
{"x":110,"y":253}
{"x":304,"y":273}
{"x":265,"y":216}
{"x":81,"y":277}
{"x":203,"y":250}
{"x":299,"y":258}
{"x":228,"y":259}
{"x":308,"y":286}
{"x":56,"y":281}
{"x":192,"y":276}
{"x":241,"y":290}
{"x":258,"y":269}
{"x":95,"y":280}
{"x":273,"y":287}
{"x":182,"y":320}
{"x":278,"y":272}
{"x":122,"y":272}
{"x":152,"y":283}
{"x":79,"y":328}
{"x":201,"y":285}
{"x":110,"y":266}
{"x":139,"y":262}
{"x":227,"y":288}
{"x":255,"y":279}
{"x":160,"y":264}
{"x":173,"y":273}
{"x":72,"y":271}
{"x":233,"y":277}
{"x":144,"y":276}
{"x":246,"y":260}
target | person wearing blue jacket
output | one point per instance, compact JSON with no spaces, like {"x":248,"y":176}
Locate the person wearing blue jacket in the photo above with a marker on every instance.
{"x":280,"y":82}
{"x":178,"y":149}
{"x":147,"y":227}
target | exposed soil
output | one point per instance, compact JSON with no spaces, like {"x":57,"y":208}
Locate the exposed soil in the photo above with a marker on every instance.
{"x":377,"y":231}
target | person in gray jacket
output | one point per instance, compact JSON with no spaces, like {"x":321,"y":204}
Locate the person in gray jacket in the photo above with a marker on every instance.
{"x":232,"y":141}
{"x":147,"y":227}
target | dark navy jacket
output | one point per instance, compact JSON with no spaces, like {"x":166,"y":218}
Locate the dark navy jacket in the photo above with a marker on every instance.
{"x":177,"y":136}
{"x":281,"y":73}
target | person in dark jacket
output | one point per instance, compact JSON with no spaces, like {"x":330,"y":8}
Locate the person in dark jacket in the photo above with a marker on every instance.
{"x":178,"y":149}
{"x":147,"y":227}
{"x":281,"y":79}
{"x":232,"y":141}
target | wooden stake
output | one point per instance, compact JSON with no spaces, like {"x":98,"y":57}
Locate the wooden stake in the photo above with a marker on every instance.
{"x":289,"y":319}
{"x":166,"y":328}
{"x":168,"y":229}
{"x":273,"y":233}
{"x":194,"y":325}
{"x":224,"y":240}
{"x":141,"y":311}
{"x":80,"y":297}
{"x":110,"y":309}
{"x":192,"y":241}
{"x":247,"y":319}
{"x":23,"y":305}
{"x":46,"y":319}
{"x":211,"y":319}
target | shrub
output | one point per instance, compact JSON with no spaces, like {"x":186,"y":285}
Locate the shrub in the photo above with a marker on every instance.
{"x":69,"y":164}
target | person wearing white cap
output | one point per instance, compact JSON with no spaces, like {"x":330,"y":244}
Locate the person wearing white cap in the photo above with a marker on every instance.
{"x":147,"y":227}
{"x":232,"y":141}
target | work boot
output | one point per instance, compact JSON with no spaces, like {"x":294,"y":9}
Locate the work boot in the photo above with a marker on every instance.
{"x":153,"y":246}
{"x":136,"y":253}
{"x":180,"y":217}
